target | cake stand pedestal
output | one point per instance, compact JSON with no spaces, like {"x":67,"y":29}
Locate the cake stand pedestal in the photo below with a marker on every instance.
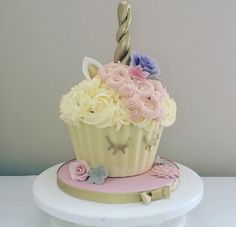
{"x":67,"y":211}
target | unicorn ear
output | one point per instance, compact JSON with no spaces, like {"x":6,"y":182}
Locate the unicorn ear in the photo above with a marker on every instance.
{"x":90,"y":67}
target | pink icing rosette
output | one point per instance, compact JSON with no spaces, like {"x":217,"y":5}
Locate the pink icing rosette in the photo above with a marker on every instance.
{"x":115,"y":75}
{"x":107,"y":70}
{"x":127,"y":90}
{"x":133,"y":103}
{"x":150,"y":106}
{"x":79,"y":170}
{"x":144,"y":87}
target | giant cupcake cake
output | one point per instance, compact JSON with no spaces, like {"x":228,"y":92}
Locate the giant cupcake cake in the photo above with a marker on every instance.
{"x":115,"y":118}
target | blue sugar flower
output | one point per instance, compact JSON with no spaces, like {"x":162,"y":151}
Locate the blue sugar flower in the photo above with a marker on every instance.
{"x":147,"y":63}
{"x":98,"y":175}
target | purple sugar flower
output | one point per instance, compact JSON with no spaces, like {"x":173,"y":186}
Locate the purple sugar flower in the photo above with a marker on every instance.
{"x":147,"y":63}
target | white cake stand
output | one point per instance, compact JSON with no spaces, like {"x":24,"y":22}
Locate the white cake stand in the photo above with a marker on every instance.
{"x":67,"y":211}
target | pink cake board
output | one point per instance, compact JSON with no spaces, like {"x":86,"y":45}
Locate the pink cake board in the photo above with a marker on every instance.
{"x":115,"y":186}
{"x":143,"y":182}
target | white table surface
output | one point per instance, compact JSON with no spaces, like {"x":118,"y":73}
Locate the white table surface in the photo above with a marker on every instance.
{"x":217,"y":209}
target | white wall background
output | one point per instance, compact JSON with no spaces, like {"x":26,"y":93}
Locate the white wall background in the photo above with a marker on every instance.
{"x":42,"y":44}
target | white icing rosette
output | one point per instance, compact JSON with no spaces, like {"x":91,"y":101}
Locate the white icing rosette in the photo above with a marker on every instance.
{"x":98,"y":110}
{"x":169,"y":112}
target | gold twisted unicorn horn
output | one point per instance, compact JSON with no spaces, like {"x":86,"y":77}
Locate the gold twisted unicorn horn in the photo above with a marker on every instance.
{"x":123,"y":37}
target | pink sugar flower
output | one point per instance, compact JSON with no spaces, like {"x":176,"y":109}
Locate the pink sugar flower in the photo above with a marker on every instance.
{"x":136,"y":72}
{"x":79,"y":170}
{"x":165,"y":171}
